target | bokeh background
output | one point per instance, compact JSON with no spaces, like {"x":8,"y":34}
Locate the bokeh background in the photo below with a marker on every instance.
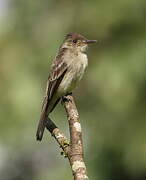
{"x":111,"y":98}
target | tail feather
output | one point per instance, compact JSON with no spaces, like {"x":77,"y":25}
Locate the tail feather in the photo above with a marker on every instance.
{"x":46,"y":109}
{"x":41,"y":127}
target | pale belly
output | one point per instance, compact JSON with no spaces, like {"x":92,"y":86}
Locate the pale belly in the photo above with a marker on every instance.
{"x":69,"y":82}
{"x":71,"y":79}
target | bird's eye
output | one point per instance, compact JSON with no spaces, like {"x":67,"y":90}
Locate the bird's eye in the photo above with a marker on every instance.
{"x":75,"y":41}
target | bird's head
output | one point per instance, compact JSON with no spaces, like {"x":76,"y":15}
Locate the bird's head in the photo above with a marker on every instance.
{"x":76,"y":42}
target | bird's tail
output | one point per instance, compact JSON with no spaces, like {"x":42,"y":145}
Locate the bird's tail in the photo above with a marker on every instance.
{"x":45,"y":121}
{"x":41,"y":126}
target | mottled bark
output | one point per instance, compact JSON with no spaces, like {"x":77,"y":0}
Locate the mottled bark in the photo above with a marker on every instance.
{"x":58,"y":135}
{"x":75,"y":154}
{"x":74,"y":149}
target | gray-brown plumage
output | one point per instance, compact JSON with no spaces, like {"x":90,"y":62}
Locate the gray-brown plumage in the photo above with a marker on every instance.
{"x":66,"y":71}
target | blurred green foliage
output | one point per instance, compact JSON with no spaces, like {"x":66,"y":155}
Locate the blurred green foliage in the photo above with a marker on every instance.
{"x":111,"y":98}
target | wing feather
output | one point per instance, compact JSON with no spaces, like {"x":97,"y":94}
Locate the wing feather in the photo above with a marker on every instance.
{"x":57,"y":73}
{"x":58,"y":70}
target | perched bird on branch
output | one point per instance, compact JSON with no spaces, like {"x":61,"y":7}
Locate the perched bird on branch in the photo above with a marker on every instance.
{"x":67,"y":70}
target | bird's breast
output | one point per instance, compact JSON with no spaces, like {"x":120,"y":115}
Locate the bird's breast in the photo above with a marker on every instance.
{"x":75,"y":71}
{"x":80,"y":65}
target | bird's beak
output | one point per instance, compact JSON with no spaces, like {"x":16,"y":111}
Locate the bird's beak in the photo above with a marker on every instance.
{"x":91,"y":41}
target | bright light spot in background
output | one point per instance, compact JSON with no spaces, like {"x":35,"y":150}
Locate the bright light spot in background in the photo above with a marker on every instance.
{"x":3,"y":9}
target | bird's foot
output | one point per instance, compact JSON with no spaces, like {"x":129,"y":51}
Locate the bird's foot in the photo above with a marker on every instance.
{"x":66,"y":98}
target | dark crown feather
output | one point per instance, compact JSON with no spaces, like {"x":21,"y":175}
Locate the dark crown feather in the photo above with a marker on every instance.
{"x":75,"y":36}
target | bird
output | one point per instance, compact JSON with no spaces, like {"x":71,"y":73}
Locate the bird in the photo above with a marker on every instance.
{"x":67,"y":70}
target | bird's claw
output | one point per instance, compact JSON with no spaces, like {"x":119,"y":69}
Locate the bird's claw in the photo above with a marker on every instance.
{"x":66,"y":98}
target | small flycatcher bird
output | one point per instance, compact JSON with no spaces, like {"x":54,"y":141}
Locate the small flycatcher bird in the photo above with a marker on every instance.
{"x":67,"y":70}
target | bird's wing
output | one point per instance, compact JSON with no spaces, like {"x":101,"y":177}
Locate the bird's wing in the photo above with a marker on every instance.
{"x":57,"y":73}
{"x":58,"y":70}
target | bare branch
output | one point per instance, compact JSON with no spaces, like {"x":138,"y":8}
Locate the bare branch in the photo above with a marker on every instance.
{"x":58,"y":135}
{"x":76,"y":144}
{"x":74,"y":149}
